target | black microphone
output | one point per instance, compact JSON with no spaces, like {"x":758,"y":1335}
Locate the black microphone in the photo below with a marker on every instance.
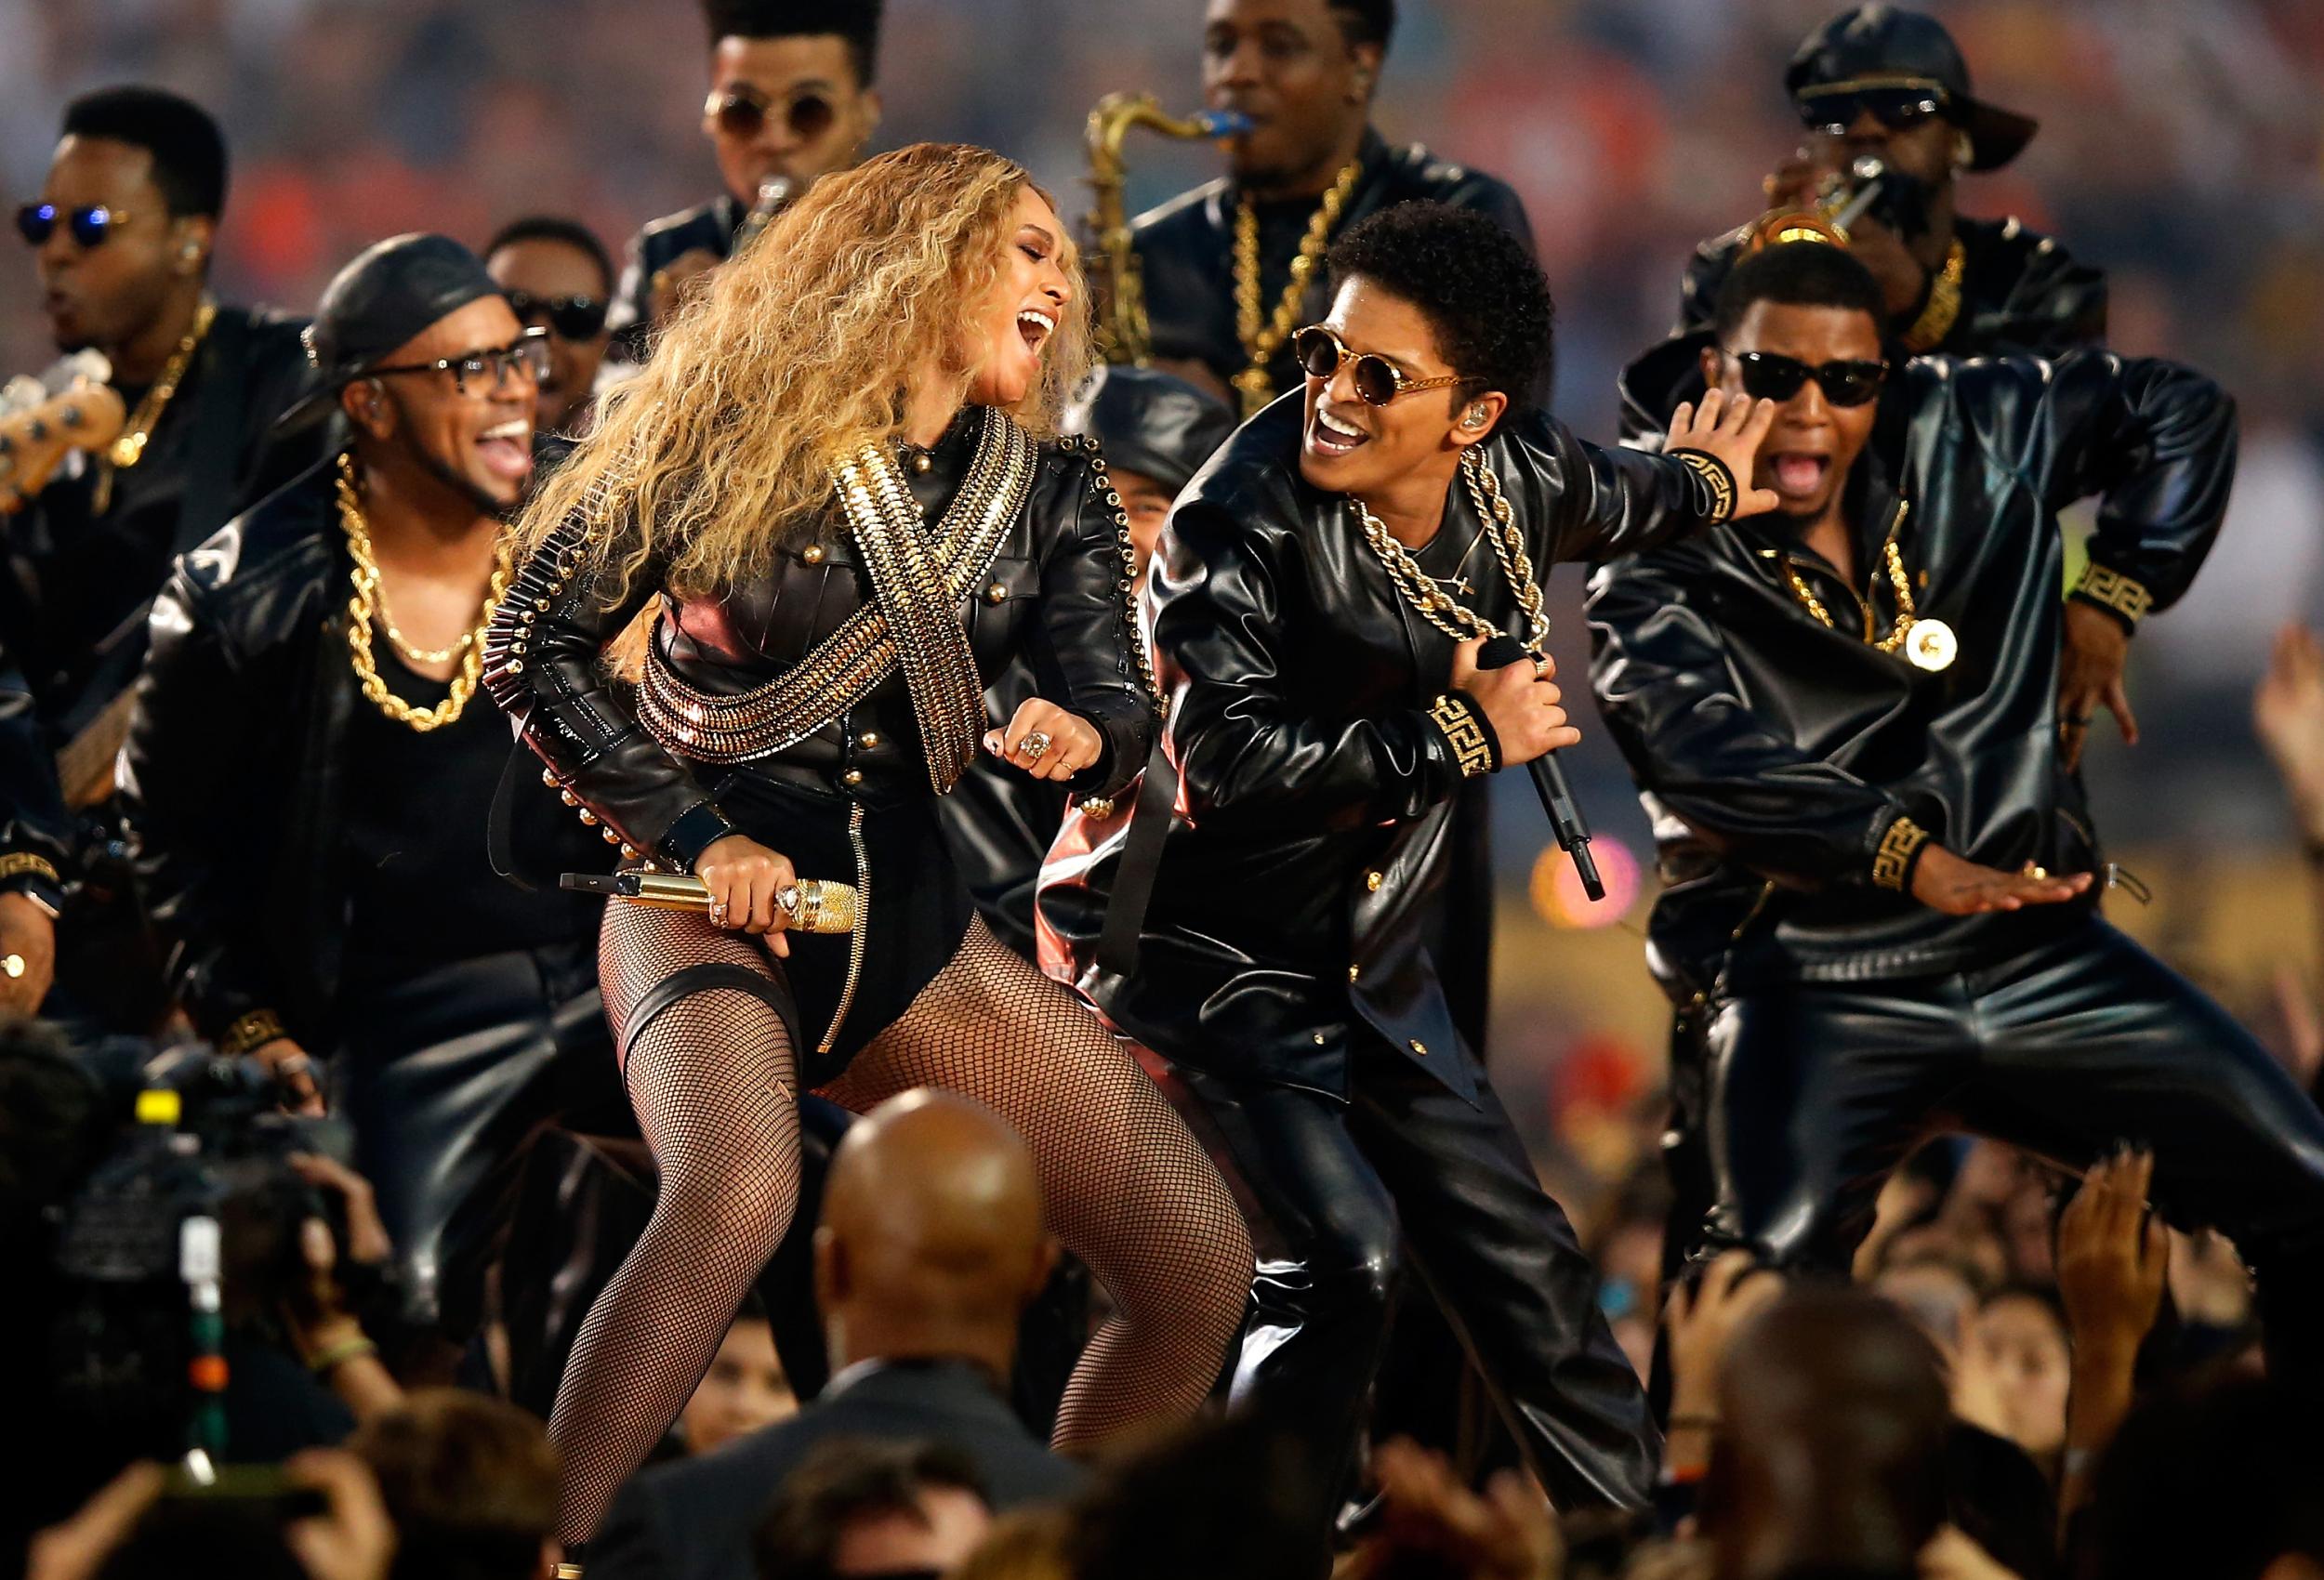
{"x":1549,"y":780}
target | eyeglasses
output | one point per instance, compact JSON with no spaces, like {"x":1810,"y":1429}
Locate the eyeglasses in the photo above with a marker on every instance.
{"x":1322,"y":354}
{"x":90,"y":223}
{"x":527,"y":353}
{"x":1832,"y":110}
{"x":741,"y":112}
{"x":1771,"y":377}
{"x":573,"y":318}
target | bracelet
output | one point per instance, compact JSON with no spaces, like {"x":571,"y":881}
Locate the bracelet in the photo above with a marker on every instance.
{"x":252,"y":1031}
{"x":1474,"y":746}
{"x":24,"y":864}
{"x":1691,"y":1421}
{"x":1717,"y":476}
{"x":2128,"y":600}
{"x":1899,"y":852}
{"x":340,"y":1354}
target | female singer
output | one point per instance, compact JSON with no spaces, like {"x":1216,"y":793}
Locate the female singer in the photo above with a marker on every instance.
{"x":835,"y":483}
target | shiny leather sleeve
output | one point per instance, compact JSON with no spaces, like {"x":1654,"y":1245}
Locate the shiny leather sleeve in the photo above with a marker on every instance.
{"x":543,"y":665}
{"x":2157,"y":440}
{"x":1599,"y":502}
{"x":200,"y":728}
{"x":1661,"y":678}
{"x":1083,"y":647}
{"x":2055,"y":304}
{"x":1250,"y":757}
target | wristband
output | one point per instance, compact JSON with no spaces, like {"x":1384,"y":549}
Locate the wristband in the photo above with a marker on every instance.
{"x":251,"y":1031}
{"x":2126,"y":600}
{"x":1716,"y":476}
{"x":1467,"y":731}
{"x":1899,"y":854}
{"x":26,"y":864}
{"x":338,"y":1354}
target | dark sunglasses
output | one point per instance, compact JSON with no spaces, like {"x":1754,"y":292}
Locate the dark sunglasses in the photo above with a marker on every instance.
{"x":573,"y":318}
{"x":1322,"y":354}
{"x":1771,"y":377}
{"x":527,"y":353}
{"x":89,"y":224}
{"x":741,"y":112}
{"x":1833,"y":111}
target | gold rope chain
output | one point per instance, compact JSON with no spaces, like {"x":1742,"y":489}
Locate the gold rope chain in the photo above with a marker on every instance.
{"x":1435,"y":605}
{"x":1260,"y":343}
{"x":1906,"y":614}
{"x":128,"y":448}
{"x":365,"y":608}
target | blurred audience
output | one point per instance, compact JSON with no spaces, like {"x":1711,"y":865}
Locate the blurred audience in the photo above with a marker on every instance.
{"x":471,"y":1484}
{"x":743,"y":1389}
{"x":862,"y":1508}
{"x":929,"y":1248}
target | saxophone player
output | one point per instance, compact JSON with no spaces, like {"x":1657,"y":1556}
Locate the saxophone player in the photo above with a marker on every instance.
{"x":1231,"y":268}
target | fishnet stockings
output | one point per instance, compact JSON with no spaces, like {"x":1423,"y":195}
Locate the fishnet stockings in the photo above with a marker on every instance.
{"x":712,"y":1080}
{"x":1123,"y":1182}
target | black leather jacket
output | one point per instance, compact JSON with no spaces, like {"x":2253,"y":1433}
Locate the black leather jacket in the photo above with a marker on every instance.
{"x":2020,"y":292}
{"x":1055,"y":593}
{"x":1186,"y":250}
{"x":707,"y":227}
{"x":1309,"y":764}
{"x":232,"y":773}
{"x":1776,"y":755}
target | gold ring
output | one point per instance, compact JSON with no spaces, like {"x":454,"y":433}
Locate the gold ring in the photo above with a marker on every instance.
{"x":718,"y":913}
{"x":1035,"y":744}
{"x":787,"y":897}
{"x":1541,"y":666}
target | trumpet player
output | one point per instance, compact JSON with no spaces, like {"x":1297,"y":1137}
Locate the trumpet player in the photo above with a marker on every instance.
{"x":120,"y":237}
{"x":791,"y":100}
{"x":1231,"y":267}
{"x":1884,"y":98}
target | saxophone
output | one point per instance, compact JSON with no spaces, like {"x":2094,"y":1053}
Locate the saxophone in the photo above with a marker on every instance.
{"x":1123,"y":333}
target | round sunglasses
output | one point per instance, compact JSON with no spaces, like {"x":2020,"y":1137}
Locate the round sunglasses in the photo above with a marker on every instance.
{"x":1833,"y":111}
{"x":1771,"y":377}
{"x":1322,"y":354}
{"x":573,"y":318}
{"x":741,"y":110}
{"x":88,"y":223}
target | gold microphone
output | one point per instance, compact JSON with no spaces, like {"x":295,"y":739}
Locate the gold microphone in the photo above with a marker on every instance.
{"x":812,"y":904}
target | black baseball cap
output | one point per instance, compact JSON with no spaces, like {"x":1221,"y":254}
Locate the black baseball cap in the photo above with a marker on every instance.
{"x":1878,"y":47}
{"x":1152,"y":423}
{"x":390,"y":292}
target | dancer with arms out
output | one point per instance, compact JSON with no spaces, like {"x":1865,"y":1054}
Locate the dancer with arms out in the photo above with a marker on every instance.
{"x":831,"y":463}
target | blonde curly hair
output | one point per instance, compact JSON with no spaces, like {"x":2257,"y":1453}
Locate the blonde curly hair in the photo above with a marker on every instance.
{"x":807,"y":345}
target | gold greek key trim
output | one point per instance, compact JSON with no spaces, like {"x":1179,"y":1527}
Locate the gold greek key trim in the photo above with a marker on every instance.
{"x":252,"y":1031}
{"x":1714,"y":472}
{"x":1892,"y":864}
{"x":1456,"y":717}
{"x":2116,"y":591}
{"x":17,"y":864}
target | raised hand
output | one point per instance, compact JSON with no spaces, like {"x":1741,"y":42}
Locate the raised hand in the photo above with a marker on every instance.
{"x":1730,"y":428}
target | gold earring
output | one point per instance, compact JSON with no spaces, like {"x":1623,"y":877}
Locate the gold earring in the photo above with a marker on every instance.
{"x":1964,"y":150}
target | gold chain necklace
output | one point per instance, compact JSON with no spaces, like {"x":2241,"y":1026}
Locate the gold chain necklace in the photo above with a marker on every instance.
{"x":128,"y":449}
{"x":1262,"y":342}
{"x":365,"y":607}
{"x":1422,"y":591}
{"x":1926,"y":644}
{"x":1944,"y":304}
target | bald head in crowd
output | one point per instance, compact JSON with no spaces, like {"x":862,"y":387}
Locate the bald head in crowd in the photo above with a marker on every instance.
{"x":931,"y":1242}
{"x":1832,"y":1454}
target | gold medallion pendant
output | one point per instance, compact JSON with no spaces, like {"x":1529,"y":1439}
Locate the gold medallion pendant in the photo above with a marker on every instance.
{"x":1931,"y":645}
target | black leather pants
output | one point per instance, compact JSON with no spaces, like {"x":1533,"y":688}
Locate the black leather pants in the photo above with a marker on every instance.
{"x":1407,"y":1169}
{"x":448,"y":1076}
{"x":1815,"y":1090}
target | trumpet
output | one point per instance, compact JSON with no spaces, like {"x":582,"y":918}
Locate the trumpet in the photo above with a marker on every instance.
{"x":774,"y":195}
{"x":1123,"y":333}
{"x":1840,"y":200}
{"x":811,"y":905}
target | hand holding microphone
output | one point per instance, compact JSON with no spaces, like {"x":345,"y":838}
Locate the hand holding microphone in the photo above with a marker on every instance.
{"x":1518,"y":693}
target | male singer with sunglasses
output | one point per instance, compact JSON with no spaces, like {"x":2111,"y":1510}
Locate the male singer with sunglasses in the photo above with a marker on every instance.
{"x":1320,"y":603}
{"x":791,"y":100}
{"x":310,"y":769}
{"x":121,"y":237}
{"x":557,"y":277}
{"x":1881,"y":877}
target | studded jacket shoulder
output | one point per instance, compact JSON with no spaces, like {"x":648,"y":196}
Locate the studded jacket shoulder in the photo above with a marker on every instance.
{"x":733,"y":680}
